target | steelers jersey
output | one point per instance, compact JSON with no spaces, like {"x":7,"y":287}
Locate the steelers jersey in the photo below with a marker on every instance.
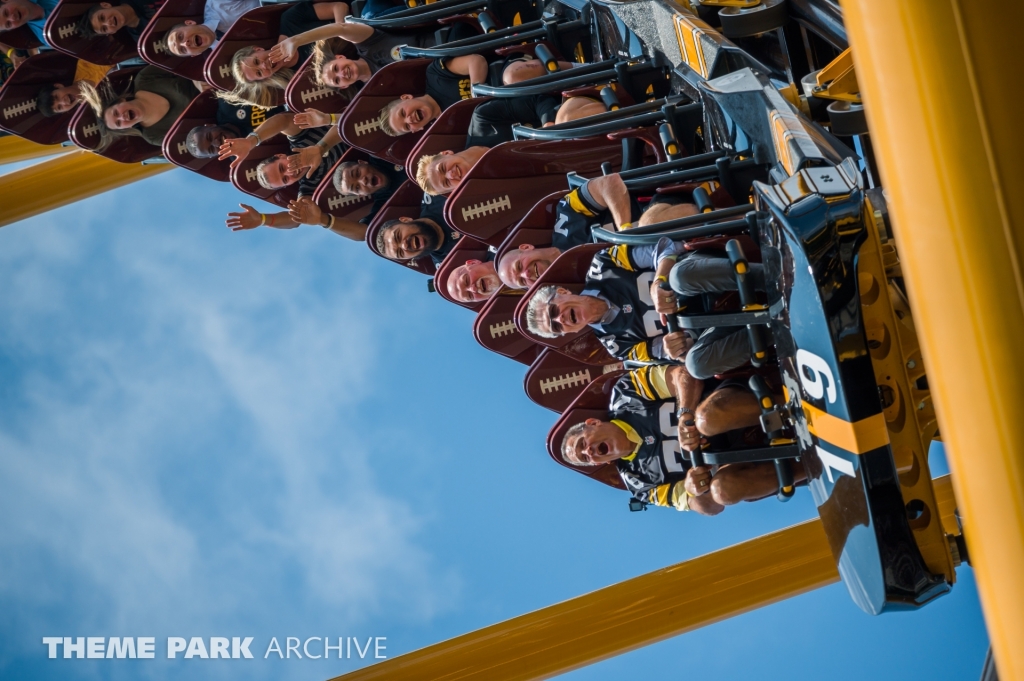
{"x":634,"y":333}
{"x":577,"y":214}
{"x":446,"y":87}
{"x":654,"y":470}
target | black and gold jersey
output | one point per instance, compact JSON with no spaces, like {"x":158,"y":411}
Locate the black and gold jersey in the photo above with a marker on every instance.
{"x":634,"y":331}
{"x":245,"y":118}
{"x":643,"y":407}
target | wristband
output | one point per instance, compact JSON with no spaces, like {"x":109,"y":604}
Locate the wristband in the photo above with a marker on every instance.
{"x":258,"y":140}
{"x":625,"y":226}
{"x":661,"y":279}
{"x":323,"y":149}
{"x":263,"y":219}
{"x":334,"y":118}
{"x":10,"y":52}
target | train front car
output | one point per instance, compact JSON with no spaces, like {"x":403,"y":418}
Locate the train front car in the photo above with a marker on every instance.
{"x":855,"y":393}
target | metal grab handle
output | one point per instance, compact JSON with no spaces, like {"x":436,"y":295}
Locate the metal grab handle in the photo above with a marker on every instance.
{"x":741,"y":268}
{"x":767,"y":404}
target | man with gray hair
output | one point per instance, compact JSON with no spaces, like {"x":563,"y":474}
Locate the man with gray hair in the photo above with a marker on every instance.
{"x":617,"y":302}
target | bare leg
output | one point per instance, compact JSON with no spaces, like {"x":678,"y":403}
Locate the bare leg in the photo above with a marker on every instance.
{"x":518,"y":71}
{"x":744,"y":482}
{"x":575,"y":108}
{"x":663,"y":212}
{"x":727,"y":409}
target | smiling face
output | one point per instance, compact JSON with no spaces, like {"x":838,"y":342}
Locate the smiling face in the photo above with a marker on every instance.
{"x":123,"y":115}
{"x":408,"y":240}
{"x":257,"y":66}
{"x":567,"y":313}
{"x":599,"y":442}
{"x":413,"y":114}
{"x":445,"y":172}
{"x":107,"y":21}
{"x":190,"y":39}
{"x":209,"y":138}
{"x":278,"y":175}
{"x":15,"y":13}
{"x":65,"y":98}
{"x":522,"y":267}
{"x":362,"y":179}
{"x":340,"y":72}
{"x":473,"y":282}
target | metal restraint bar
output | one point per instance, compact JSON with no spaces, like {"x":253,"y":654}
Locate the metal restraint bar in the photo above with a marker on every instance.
{"x":601,"y":124}
{"x":544,"y":84}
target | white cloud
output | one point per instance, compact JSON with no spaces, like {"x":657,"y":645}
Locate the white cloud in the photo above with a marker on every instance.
{"x":179,"y":434}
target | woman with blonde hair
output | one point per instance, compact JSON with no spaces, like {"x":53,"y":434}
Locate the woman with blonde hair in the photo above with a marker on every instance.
{"x":261,"y":75}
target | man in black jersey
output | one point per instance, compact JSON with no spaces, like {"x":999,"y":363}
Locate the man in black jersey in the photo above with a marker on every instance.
{"x":448,"y":81}
{"x":617,"y":303}
{"x":653,"y":413}
{"x":233,"y":122}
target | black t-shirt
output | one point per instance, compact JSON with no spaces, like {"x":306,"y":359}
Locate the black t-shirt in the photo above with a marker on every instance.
{"x":657,"y":464}
{"x":492,"y":121}
{"x":381,"y":48}
{"x":446,"y":87}
{"x":144,"y":9}
{"x":299,"y":19}
{"x":246,"y":118}
{"x":396,"y":176}
{"x":307,"y":138}
{"x":433,"y":208}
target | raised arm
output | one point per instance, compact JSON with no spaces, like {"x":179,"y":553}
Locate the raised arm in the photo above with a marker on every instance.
{"x":353,"y":33}
{"x":609,"y":191}
{"x":240,"y":147}
{"x":303,"y":210}
{"x":472,"y":65}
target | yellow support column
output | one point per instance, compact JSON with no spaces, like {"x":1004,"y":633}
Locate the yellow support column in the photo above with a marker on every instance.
{"x":935,"y":77}
{"x":626,"y":616}
{"x":60,"y":181}
{"x":14,"y":149}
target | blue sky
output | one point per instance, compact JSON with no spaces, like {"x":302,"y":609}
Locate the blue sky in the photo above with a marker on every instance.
{"x":275,"y":433}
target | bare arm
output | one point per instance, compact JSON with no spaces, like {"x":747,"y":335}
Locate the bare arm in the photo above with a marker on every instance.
{"x":308,"y":213}
{"x":472,"y":65}
{"x":684,"y":387}
{"x":284,"y":51}
{"x":241,"y":146}
{"x":609,"y":191}
{"x":250,"y":218}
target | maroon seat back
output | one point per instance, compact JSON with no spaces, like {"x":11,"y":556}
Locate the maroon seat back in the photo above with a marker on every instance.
{"x":84,"y":129}
{"x":465,"y":249}
{"x":569,"y":271}
{"x":21,"y":38}
{"x":154,"y":50}
{"x":495,"y":328}
{"x":201,"y":111}
{"x":447,"y":133}
{"x":359,"y":124}
{"x":591,"y":403}
{"x":555,"y":380}
{"x":258,"y":27}
{"x":512,"y":177}
{"x":338,"y":205}
{"x":243,"y":176}
{"x":20,"y":114}
{"x":62,"y":33}
{"x":404,"y":203}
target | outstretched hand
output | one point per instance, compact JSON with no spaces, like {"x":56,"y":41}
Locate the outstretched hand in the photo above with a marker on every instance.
{"x":239,"y":147}
{"x":282,"y":52}
{"x":307,"y":157}
{"x":312,"y":118}
{"x":249,"y":218}
{"x":304,"y":211}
